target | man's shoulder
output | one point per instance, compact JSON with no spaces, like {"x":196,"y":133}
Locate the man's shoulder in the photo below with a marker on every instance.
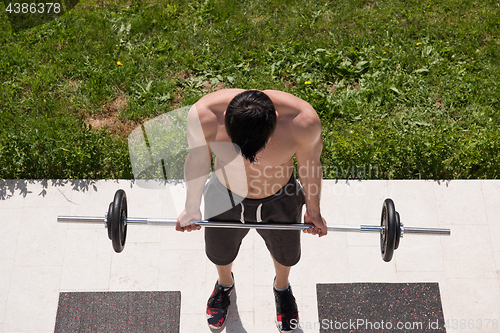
{"x":297,"y":115}
{"x":306,"y":125}
{"x":300,"y":108}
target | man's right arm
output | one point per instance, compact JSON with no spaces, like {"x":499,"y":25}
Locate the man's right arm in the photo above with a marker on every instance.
{"x":202,"y":127}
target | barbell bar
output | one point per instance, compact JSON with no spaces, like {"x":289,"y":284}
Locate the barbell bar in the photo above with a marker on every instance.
{"x":391,"y":229}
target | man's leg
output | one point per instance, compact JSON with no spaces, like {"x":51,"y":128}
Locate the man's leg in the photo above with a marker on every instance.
{"x":282,"y":273}
{"x":218,"y":303}
{"x":225,"y":277}
{"x":286,"y":308}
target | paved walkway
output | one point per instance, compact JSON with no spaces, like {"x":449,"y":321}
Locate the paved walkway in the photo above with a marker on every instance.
{"x":40,"y":258}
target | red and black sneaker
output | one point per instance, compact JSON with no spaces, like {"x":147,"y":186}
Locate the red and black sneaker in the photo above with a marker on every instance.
{"x":287,"y":315}
{"x":218,"y":304}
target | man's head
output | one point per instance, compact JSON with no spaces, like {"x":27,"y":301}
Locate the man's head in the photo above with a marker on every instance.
{"x":250,"y":121}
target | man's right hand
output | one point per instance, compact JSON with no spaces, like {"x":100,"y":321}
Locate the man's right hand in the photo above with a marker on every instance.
{"x":183,"y":221}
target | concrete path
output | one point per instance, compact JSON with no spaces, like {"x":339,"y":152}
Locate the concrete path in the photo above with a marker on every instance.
{"x":39,"y":258}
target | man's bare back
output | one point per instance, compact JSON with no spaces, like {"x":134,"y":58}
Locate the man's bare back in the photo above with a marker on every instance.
{"x":297,"y":132}
{"x":297,"y":123}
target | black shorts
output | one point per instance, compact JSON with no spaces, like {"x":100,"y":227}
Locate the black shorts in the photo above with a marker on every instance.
{"x":285,"y":206}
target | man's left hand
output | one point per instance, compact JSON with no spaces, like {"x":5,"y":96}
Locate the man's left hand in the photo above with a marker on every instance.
{"x":319,"y":224}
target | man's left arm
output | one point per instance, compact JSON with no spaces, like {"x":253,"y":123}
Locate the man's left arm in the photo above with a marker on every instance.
{"x":310,"y":171}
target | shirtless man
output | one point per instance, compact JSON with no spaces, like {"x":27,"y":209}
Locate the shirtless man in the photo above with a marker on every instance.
{"x":254,"y":135}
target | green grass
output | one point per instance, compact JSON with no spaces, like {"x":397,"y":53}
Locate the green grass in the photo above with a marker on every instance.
{"x":406,"y":88}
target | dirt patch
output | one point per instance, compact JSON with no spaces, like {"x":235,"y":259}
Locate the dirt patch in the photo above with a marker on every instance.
{"x":110,"y":118}
{"x":73,"y":84}
{"x":440,"y":104}
{"x":183,"y":75}
{"x":205,"y":86}
{"x":179,"y":90}
{"x":332,"y":88}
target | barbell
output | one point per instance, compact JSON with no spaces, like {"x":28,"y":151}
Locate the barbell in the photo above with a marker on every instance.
{"x":391,"y":229}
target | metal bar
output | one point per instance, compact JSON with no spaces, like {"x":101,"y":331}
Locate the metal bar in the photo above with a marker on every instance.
{"x":160,"y":221}
{"x":301,"y":226}
{"x":216,"y":224}
{"x":427,"y":231}
{"x":371,"y":228}
{"x":298,"y":226}
{"x":81,"y":219}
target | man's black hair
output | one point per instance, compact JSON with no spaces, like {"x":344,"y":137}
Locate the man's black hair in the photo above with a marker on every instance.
{"x":250,"y":122}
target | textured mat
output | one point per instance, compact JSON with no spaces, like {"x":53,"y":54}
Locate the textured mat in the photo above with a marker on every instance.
{"x":379,"y":307}
{"x":119,"y":312}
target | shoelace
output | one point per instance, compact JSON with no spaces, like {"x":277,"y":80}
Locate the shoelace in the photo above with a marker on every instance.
{"x":220,"y":299}
{"x":285,"y":301}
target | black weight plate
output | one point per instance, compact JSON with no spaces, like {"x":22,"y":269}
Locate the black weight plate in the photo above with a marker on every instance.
{"x":398,"y":231}
{"x":118,"y":225}
{"x":388,"y":236}
{"x":108,"y":224}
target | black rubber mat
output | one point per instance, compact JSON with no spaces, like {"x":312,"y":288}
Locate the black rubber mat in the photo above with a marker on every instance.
{"x":119,"y":312}
{"x":379,"y":307}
